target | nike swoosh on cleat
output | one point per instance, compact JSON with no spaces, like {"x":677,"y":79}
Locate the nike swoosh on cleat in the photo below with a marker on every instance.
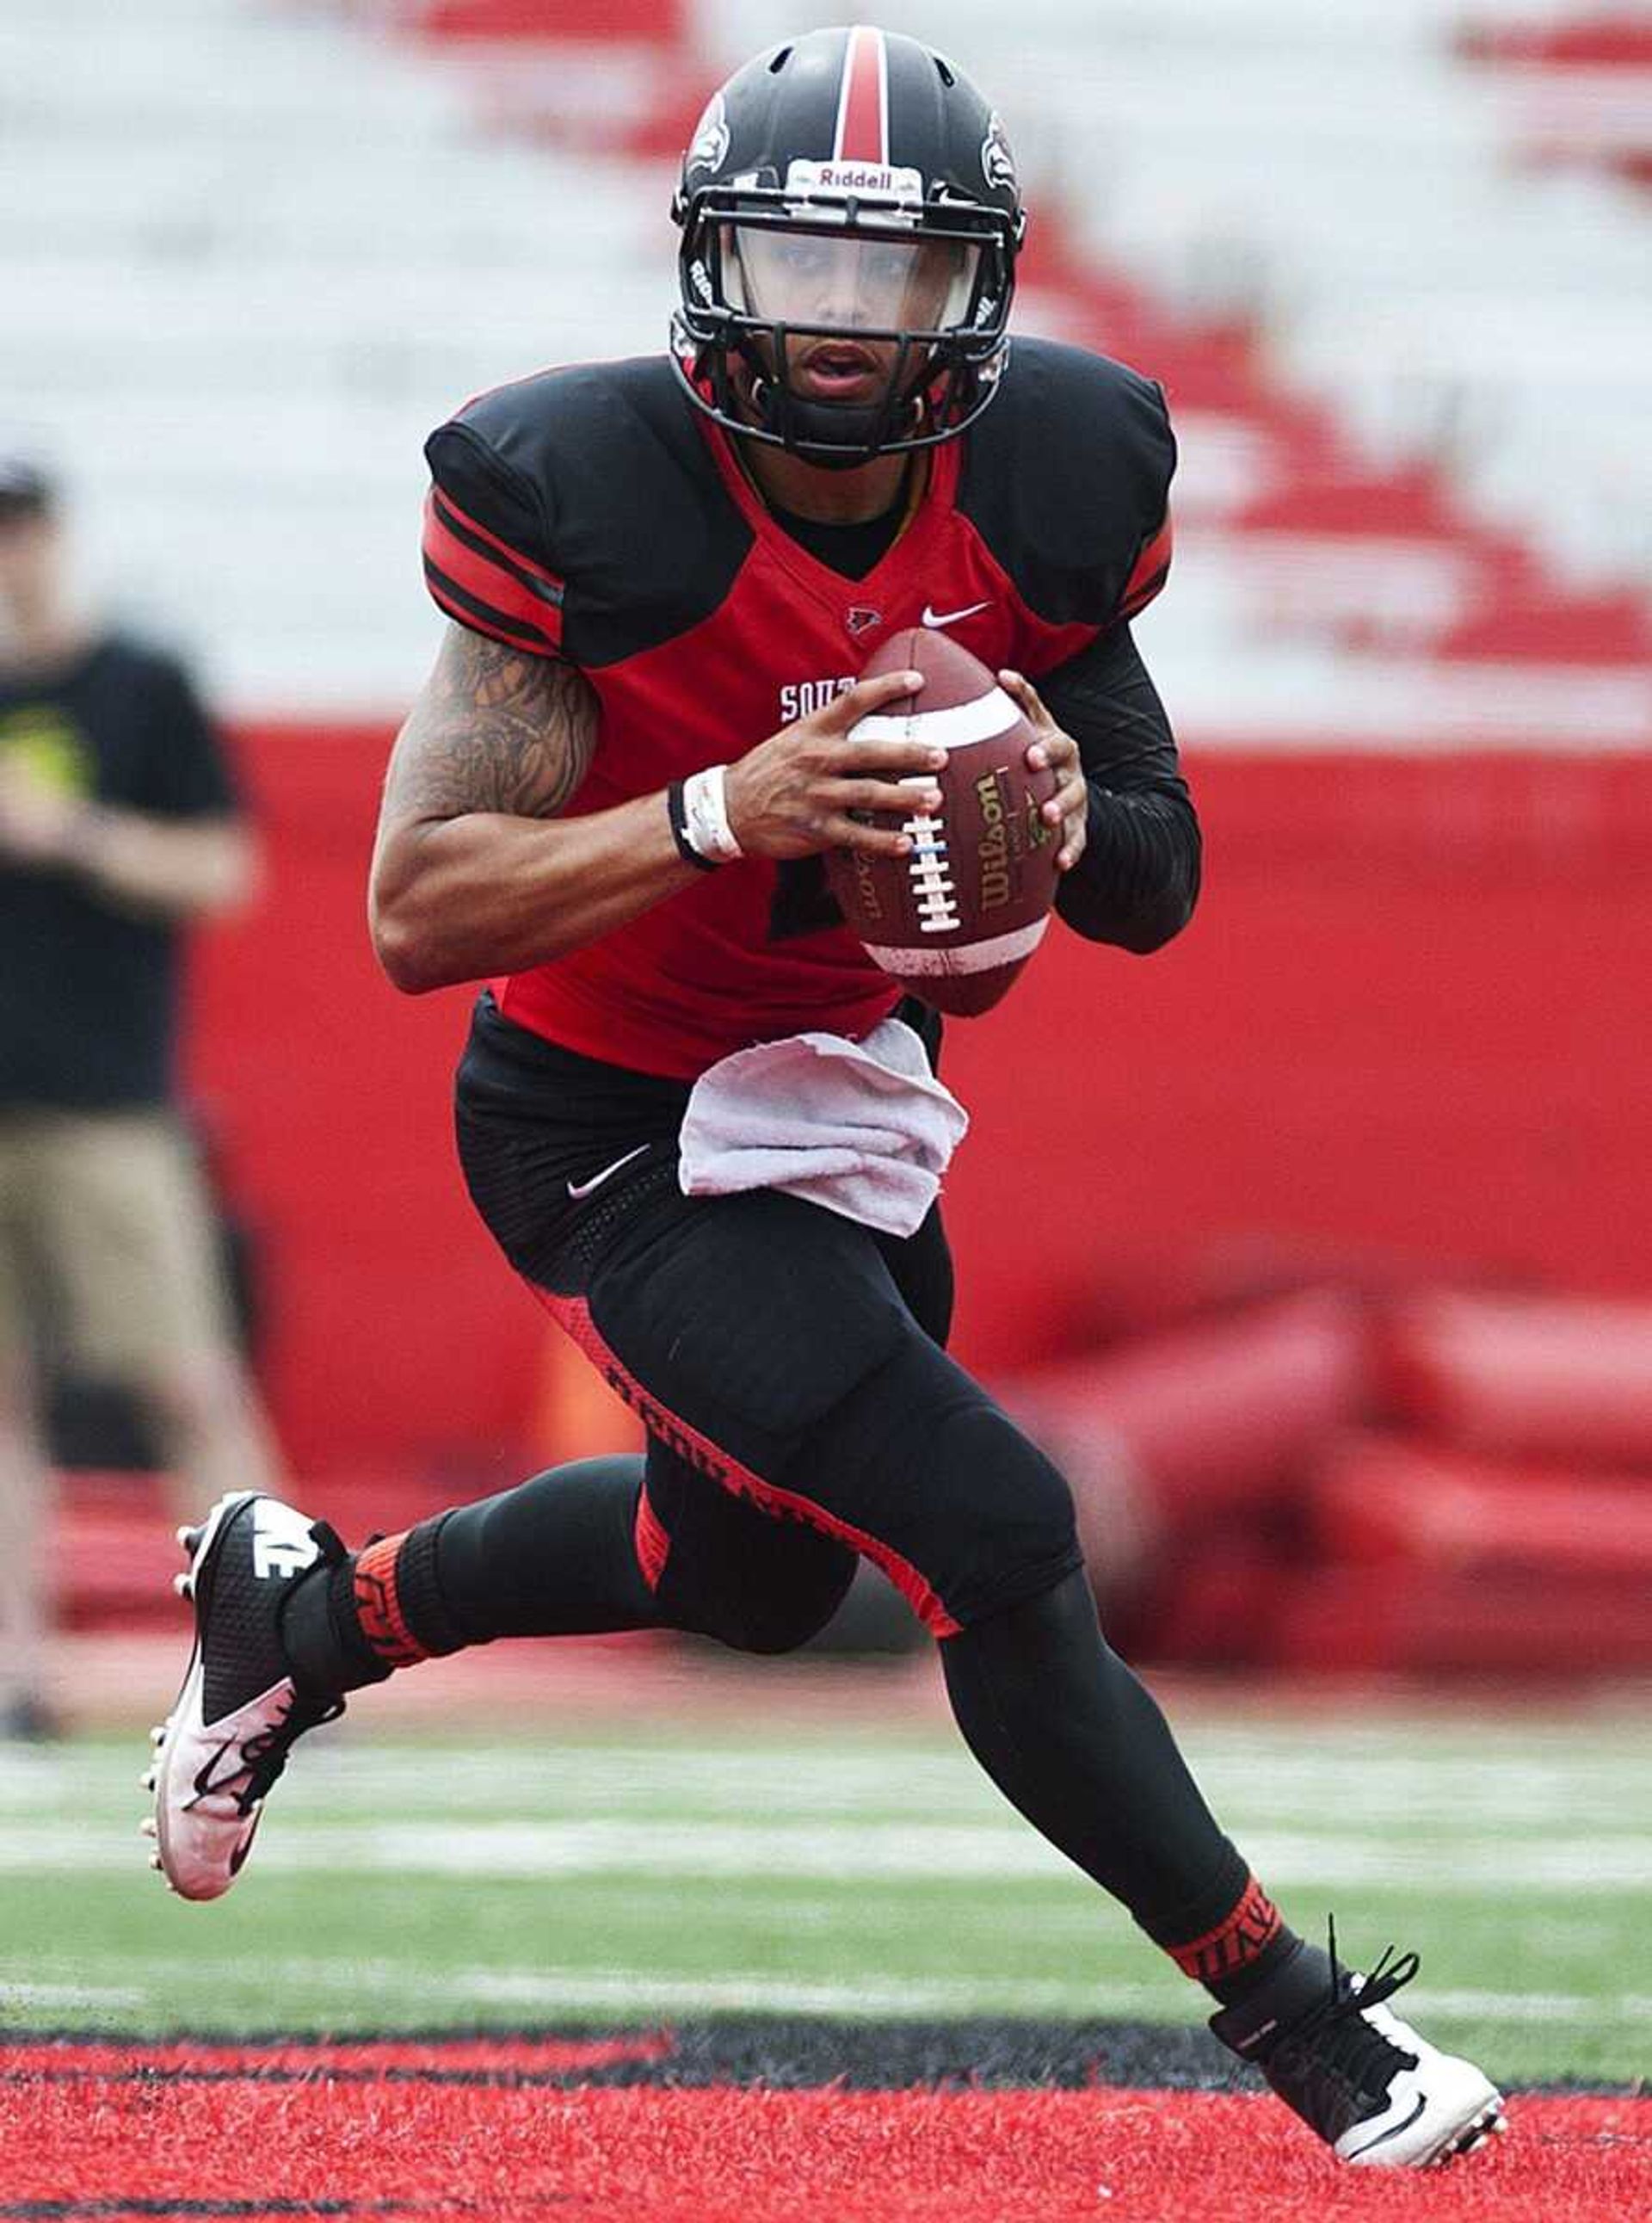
{"x":584,"y":1189}
{"x":935,"y":619}
{"x":1394,"y":2131}
{"x":204,"y":1784}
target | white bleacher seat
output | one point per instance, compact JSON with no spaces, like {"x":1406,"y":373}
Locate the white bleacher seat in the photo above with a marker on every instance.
{"x":251,"y":255}
{"x":252,"y":249}
{"x":1337,"y":172}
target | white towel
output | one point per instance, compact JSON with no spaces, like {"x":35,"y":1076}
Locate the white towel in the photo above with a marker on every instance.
{"x":864,"y":1128}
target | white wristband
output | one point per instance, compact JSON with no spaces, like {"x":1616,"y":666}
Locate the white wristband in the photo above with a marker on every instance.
{"x":705,"y":809}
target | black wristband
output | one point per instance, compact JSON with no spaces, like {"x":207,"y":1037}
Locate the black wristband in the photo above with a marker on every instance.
{"x":677,"y":812}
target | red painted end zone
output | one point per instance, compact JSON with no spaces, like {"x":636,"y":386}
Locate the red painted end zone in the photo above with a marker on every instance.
{"x":107,"y":2144}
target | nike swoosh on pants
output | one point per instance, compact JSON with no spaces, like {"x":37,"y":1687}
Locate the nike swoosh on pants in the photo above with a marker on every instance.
{"x":585,"y":1187}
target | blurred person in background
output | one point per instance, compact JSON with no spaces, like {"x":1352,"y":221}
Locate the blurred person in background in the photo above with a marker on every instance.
{"x":652,"y":565}
{"x":119,"y":825}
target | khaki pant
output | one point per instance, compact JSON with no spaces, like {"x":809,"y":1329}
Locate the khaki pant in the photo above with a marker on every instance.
{"x":106,"y":1234}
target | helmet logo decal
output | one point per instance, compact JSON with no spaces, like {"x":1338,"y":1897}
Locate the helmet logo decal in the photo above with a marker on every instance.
{"x":997,"y":163}
{"x":863,"y":132}
{"x":709,"y":147}
{"x":866,"y":181}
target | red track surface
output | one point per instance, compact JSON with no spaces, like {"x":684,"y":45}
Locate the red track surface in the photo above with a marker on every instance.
{"x":118,"y":2133}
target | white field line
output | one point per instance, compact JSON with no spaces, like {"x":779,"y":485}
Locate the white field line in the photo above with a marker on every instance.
{"x":848,"y":1852}
{"x":16,"y":1996}
{"x":170,"y":1984}
{"x":1257,"y":1785}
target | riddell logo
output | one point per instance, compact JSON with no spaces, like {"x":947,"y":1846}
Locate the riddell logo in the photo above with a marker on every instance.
{"x":872,"y":180}
{"x":856,"y":178}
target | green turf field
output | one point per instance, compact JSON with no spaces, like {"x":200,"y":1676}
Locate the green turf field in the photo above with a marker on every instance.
{"x":400,"y":1885}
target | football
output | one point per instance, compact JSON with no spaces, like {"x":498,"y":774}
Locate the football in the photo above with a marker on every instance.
{"x":957,"y":919}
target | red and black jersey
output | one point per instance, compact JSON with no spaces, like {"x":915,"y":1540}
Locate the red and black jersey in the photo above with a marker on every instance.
{"x":593,"y":515}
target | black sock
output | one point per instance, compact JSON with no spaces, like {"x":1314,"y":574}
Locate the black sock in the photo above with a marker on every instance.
{"x":554,"y":1557}
{"x":1075,"y":1742}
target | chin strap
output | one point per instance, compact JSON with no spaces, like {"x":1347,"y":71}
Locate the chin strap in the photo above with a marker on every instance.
{"x":849,"y":437}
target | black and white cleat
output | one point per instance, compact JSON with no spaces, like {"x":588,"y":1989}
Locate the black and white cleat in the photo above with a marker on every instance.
{"x":1373,"y":2088}
{"x":239,"y":1711}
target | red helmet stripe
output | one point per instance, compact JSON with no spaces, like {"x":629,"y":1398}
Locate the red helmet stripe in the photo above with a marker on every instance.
{"x":863,"y":100}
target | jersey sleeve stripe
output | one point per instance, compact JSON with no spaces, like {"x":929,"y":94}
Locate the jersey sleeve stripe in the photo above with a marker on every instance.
{"x":488,"y":585}
{"x":1150,"y":571}
{"x":481,"y":618}
{"x":467,"y":528}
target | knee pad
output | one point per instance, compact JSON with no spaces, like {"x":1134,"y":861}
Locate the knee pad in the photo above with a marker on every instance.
{"x":920,"y":1461}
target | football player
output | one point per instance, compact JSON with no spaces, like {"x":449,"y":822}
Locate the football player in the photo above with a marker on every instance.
{"x":610,"y":802}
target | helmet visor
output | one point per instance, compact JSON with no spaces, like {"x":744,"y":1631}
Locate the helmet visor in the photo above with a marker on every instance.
{"x":846,"y":282}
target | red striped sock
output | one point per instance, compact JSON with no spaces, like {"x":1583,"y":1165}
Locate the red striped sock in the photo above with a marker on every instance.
{"x":1251,"y":1927}
{"x":378,"y":1608}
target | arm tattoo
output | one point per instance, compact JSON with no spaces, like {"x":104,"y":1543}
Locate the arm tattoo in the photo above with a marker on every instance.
{"x":493,"y":730}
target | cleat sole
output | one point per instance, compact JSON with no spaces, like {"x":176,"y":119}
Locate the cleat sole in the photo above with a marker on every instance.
{"x":1491,"y":2122}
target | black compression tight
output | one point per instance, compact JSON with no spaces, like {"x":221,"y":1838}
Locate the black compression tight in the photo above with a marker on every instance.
{"x":1055,"y":1718}
{"x":1077,"y":1743}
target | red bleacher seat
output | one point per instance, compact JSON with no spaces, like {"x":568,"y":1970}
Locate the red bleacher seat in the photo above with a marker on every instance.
{"x":1217,"y":1417}
{"x":646,"y":22}
{"x":1566,"y":1378}
{"x":1406,"y":1506}
{"x":1357,"y":1620}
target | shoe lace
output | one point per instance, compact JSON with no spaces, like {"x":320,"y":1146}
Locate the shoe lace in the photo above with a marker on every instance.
{"x":265,"y":1751}
{"x":1334,"y":2036}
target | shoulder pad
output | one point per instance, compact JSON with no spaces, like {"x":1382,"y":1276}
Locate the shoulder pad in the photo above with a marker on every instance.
{"x":598,"y":523}
{"x":1067,"y":480}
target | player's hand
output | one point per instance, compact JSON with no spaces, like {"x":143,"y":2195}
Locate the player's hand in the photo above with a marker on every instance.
{"x":793,"y":795}
{"x":1069,"y":807}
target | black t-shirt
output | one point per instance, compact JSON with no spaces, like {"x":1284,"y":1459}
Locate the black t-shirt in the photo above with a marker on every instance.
{"x":88,"y":990}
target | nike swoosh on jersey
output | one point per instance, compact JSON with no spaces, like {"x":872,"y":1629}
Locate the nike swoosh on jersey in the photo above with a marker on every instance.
{"x":584,"y":1189}
{"x":935,"y":619}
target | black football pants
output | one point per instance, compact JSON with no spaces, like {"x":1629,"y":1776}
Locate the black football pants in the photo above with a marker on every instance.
{"x":801,"y":1412}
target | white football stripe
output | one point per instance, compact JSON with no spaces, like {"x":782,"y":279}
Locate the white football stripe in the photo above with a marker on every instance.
{"x":974,"y":957}
{"x":990,"y":714}
{"x":830,"y":1851}
{"x":573,"y":1989}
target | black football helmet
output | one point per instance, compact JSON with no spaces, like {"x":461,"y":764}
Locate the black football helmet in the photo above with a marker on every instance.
{"x":851,"y":219}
